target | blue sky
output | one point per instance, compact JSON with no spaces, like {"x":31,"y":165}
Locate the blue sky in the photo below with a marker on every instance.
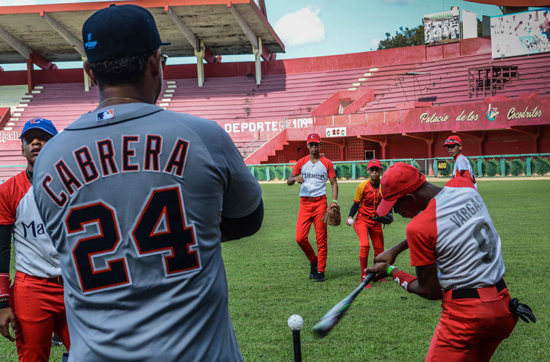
{"x":327,"y":27}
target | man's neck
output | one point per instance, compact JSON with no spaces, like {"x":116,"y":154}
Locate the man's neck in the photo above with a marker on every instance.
{"x":312,"y":157}
{"x":111,"y":96}
{"x":457,"y":155}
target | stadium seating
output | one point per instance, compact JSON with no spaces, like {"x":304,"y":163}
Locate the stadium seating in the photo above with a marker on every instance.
{"x":445,"y":82}
{"x":14,"y":97}
{"x":11,"y":163}
{"x":287,"y":96}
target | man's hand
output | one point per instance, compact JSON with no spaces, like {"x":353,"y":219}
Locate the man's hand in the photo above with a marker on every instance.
{"x":387,"y":257}
{"x":380,"y":269}
{"x":349,"y":221}
{"x":299,"y":179}
{"x":7,"y":317}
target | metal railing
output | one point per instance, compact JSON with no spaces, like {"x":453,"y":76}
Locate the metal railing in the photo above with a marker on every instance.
{"x":484,"y":166}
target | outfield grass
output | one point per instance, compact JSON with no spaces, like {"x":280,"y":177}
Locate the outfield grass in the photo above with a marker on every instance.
{"x":268,"y":282}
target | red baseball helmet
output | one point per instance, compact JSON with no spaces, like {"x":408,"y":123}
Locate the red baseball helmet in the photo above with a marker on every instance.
{"x":399,"y":180}
{"x":452,"y":140}
{"x":313,"y":138}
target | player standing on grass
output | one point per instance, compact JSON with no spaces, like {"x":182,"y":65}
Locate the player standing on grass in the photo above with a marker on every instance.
{"x":34,"y":306}
{"x":451,"y":231}
{"x":140,"y":199}
{"x":312,"y":172}
{"x":462,"y":166}
{"x":366,"y":200}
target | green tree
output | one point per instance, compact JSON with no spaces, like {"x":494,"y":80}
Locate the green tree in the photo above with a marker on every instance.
{"x":403,"y":38}
{"x":479,"y":27}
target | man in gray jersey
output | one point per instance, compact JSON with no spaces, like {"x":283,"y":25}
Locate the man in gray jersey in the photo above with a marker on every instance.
{"x":139,"y":200}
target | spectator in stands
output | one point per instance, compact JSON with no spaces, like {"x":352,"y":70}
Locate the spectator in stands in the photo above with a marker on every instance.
{"x":34,"y":305}
{"x":462,"y":167}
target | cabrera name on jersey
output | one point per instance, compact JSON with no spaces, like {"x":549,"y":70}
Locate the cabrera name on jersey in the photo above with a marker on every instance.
{"x":107,"y":164}
{"x":315,"y":175}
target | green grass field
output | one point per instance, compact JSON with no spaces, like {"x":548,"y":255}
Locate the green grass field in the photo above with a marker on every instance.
{"x":268,"y":282}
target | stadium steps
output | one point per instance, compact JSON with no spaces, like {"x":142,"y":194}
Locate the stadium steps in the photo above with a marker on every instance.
{"x":65,"y":103}
{"x":11,"y":163}
{"x":16,"y":98}
{"x":276,"y":143}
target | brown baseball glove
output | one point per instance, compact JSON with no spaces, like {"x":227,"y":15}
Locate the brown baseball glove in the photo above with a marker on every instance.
{"x":332,"y":216}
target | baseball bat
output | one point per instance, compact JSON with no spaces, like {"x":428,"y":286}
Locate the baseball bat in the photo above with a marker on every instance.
{"x":331,"y":319}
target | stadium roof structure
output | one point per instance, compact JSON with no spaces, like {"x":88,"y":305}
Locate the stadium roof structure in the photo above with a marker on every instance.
{"x":43,"y":34}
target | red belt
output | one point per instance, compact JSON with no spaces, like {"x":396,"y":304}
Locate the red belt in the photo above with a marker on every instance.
{"x":56,"y":280}
{"x":312,"y":199}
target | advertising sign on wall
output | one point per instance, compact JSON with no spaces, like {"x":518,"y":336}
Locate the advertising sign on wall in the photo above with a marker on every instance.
{"x":442,"y":27}
{"x":336,"y":132}
{"x":520,"y":33}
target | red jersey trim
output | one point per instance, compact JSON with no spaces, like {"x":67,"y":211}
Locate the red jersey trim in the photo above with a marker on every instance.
{"x":329,"y":167}
{"x":298,"y":167}
{"x":11,"y":193}
{"x":460,"y":182}
{"x":422,"y":236}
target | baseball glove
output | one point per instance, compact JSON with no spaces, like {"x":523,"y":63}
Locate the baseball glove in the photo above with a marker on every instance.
{"x":386,"y":220}
{"x":332,"y":216}
{"x":522,"y":310}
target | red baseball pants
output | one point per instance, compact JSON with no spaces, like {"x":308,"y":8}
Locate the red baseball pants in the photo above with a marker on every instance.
{"x":364,"y":228}
{"x":312,"y":212}
{"x":469,"y":329}
{"x":39,"y":307}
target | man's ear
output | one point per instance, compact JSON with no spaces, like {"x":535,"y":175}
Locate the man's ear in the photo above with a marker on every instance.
{"x":155,"y":63}
{"x":22,"y":149}
{"x":89,"y":72}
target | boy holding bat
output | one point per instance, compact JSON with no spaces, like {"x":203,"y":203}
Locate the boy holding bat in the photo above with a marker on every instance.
{"x":457,"y":254}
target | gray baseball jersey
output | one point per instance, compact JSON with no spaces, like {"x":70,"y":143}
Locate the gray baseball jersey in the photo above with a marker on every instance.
{"x":134,"y":195}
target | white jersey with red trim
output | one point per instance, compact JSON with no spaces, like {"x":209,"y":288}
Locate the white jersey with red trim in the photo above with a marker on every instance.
{"x":462,"y":164}
{"x":315,"y":175}
{"x":34,"y":251}
{"x":456,"y":232}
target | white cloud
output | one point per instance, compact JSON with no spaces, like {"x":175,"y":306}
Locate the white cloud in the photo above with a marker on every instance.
{"x":301,"y":27}
{"x":373,"y":43}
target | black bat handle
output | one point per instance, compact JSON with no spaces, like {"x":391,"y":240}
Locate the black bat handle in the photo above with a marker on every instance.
{"x":297,"y":346}
{"x":366,"y":281}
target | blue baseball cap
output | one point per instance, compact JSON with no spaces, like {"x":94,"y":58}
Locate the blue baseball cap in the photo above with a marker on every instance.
{"x":118,"y":31}
{"x":42,"y":124}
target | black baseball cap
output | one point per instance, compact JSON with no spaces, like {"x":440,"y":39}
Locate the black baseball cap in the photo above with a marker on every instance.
{"x":119,"y":31}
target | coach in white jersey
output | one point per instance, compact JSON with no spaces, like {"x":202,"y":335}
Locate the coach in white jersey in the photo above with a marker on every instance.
{"x":451,"y":231}
{"x":462,"y":167}
{"x":34,"y":305}
{"x":139,"y":199}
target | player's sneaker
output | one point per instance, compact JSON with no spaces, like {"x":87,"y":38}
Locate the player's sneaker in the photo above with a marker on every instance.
{"x":313,"y":270}
{"x":320,"y":277}
{"x":56,"y":341}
